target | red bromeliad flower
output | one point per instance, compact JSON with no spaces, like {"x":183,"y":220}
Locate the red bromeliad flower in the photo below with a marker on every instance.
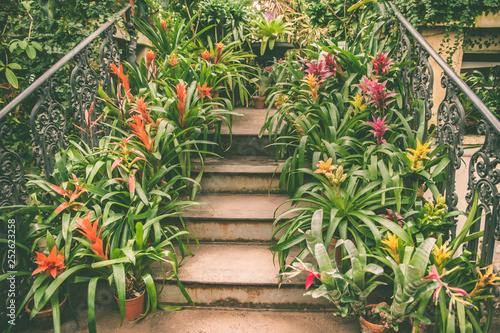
{"x":381,"y":63}
{"x":90,"y":231}
{"x":126,"y":153}
{"x":390,"y":216}
{"x":163,"y":24}
{"x":53,"y":264}
{"x":173,"y":60}
{"x":379,"y":128}
{"x":378,"y":96}
{"x":181,"y":103}
{"x":332,"y":64}
{"x":141,"y":108}
{"x":206,"y":55}
{"x":121,"y":75}
{"x":141,"y":133}
{"x":72,"y":195}
{"x":319,"y":69}
{"x":204,"y":91}
{"x":451,"y":291}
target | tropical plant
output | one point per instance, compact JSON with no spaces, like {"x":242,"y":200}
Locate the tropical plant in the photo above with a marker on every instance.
{"x":269,"y":28}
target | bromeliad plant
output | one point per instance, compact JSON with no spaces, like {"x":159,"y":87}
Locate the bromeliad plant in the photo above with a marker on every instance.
{"x":268,"y":28}
{"x":348,"y":291}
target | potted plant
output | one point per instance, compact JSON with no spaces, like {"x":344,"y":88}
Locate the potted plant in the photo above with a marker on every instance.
{"x":263,"y":83}
{"x":268,"y":29}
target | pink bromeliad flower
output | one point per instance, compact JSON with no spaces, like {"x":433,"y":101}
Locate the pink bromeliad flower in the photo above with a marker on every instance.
{"x":366,"y":84}
{"x":331,"y":63}
{"x":381,"y":63}
{"x":393,"y":216}
{"x":378,"y":96}
{"x":379,"y":128}
{"x":319,"y":69}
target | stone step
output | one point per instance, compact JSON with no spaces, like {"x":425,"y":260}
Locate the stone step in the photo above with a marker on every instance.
{"x":237,"y":275}
{"x":208,"y":320}
{"x":245,"y":130}
{"x":240,"y":174}
{"x":235,"y":217}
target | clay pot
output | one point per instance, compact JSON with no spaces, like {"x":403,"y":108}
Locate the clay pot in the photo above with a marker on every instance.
{"x":368,"y":327}
{"x":259,"y":102}
{"x":43,"y":319}
{"x":134,"y":307}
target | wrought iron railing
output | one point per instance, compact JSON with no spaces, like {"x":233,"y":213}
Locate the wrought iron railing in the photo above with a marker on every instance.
{"x":48,"y":116}
{"x":484,"y":165}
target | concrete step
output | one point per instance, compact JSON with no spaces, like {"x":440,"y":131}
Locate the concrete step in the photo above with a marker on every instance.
{"x":206,"y":320}
{"x":245,"y":131}
{"x":235,"y":217}
{"x":240,"y":174}
{"x":237,"y":275}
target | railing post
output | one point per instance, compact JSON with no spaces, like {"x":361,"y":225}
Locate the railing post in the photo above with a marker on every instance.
{"x":484,"y":177}
{"x":48,"y":127}
{"x":12,"y":181}
{"x":84,"y":87}
{"x":108,"y":54}
{"x":422,"y":84}
{"x":132,"y":57}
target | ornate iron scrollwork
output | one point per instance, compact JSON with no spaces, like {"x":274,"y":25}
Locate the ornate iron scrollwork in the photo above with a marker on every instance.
{"x":48,"y":127}
{"x":484,"y":177}
{"x":450,"y":131}
{"x":132,"y":56}
{"x":84,"y":85}
{"x":12,"y":181}
{"x":108,"y":54}
{"x":404,"y":54}
{"x":422,"y":83}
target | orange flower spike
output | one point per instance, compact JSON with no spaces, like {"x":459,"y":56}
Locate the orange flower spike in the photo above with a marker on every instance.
{"x":180,"y":88}
{"x":98,"y":248}
{"x":173,"y":60}
{"x":204,"y":91}
{"x":206,"y":55}
{"x":53,"y":264}
{"x":163,"y":24}
{"x":142,"y":108}
{"x":219,"y":46}
{"x":121,"y":75}
{"x":85,"y":227}
{"x":141,"y":133}
{"x":150,"y":57}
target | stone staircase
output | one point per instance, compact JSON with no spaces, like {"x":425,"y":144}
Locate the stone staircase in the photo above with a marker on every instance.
{"x":233,"y":270}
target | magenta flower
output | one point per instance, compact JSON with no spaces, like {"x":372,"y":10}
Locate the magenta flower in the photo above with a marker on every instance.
{"x":452,"y":292}
{"x":381,"y":63}
{"x":378,"y":96}
{"x":379,"y":128}
{"x":269,"y":16}
{"x":319,"y":69}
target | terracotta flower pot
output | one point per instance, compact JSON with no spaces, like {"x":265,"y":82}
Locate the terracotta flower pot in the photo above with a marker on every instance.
{"x":134,"y":307}
{"x":259,"y":102}
{"x":43,"y":319}
{"x":368,"y":327}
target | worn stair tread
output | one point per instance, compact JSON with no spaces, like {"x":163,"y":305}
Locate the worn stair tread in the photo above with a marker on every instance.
{"x":248,"y":207}
{"x":237,"y":164}
{"x":209,"y":320}
{"x":249,"y":124}
{"x":233,"y":264}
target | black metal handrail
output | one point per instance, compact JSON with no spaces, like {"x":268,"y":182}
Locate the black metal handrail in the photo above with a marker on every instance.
{"x":58,"y":65}
{"x":48,"y":116}
{"x":486,"y":113}
{"x":484,"y":165}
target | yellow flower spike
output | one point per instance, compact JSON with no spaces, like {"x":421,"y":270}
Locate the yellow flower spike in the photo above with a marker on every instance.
{"x":324,"y":167}
{"x":310,"y":80}
{"x":358,"y":102}
{"x":441,"y":254}
{"x":392,"y":243}
{"x":489,"y":278}
{"x":416,"y":155}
